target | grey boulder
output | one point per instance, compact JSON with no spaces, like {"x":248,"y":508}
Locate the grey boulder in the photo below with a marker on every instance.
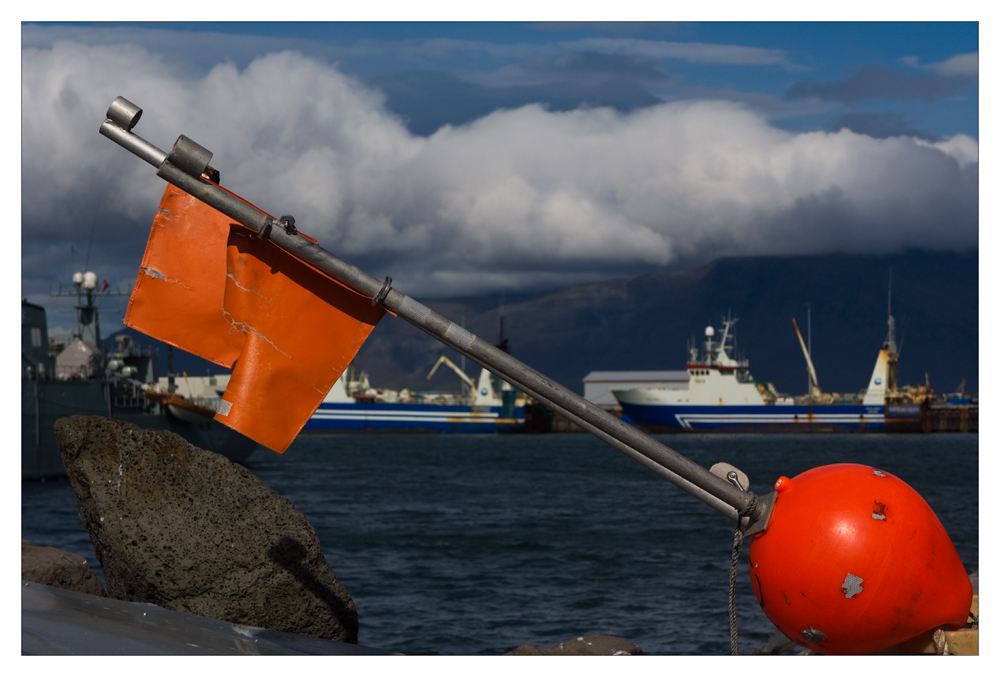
{"x":188,"y":530}
{"x":58,"y":568}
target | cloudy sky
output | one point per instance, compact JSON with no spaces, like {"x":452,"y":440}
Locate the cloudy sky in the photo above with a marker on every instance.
{"x":471,"y":158}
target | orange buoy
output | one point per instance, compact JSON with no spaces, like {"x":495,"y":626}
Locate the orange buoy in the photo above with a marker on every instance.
{"x":854,"y":561}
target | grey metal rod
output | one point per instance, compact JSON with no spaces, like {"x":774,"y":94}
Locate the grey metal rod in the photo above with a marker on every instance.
{"x":137,"y":145}
{"x":686,"y":474}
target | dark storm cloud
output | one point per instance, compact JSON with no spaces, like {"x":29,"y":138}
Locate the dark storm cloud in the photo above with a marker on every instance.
{"x":577,"y":65}
{"x":880,"y":126}
{"x":428,"y":100}
{"x":876,"y":81}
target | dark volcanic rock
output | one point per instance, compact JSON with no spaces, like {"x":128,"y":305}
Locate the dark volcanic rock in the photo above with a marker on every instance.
{"x":58,"y":568}
{"x":587,"y":645}
{"x":186,"y":529}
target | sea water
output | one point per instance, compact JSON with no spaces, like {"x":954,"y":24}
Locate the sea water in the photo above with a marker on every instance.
{"x":473,"y":545}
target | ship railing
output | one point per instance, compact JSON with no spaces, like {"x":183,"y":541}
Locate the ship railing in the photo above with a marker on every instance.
{"x":207,"y":402}
{"x":127,"y":394}
{"x":125,"y":401}
{"x":74,"y":373}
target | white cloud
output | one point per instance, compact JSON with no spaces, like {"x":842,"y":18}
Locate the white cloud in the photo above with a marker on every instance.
{"x":960,"y":64}
{"x":517,"y":197}
{"x":964,"y":149}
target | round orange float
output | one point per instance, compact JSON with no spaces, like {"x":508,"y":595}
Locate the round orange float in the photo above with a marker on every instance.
{"x":854,"y":561}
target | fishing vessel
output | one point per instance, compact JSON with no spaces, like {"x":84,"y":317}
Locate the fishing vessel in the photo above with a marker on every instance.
{"x":81,"y":378}
{"x":722,"y":394}
{"x":353,"y":406}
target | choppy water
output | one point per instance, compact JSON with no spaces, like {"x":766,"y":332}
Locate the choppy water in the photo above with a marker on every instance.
{"x":474,"y":545}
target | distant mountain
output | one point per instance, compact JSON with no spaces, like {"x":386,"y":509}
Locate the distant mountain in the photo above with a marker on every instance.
{"x":647,"y":322}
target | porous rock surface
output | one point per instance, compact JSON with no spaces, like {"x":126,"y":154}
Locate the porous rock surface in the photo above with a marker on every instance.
{"x":587,"y":645}
{"x":58,"y":568}
{"x":187,"y":529}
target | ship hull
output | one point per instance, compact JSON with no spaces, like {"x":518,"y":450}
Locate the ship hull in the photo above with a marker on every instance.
{"x":44,"y":402}
{"x":756,"y":418}
{"x":382,"y":417}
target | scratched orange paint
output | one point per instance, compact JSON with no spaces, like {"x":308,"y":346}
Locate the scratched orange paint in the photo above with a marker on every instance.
{"x":178,"y":294}
{"x":302,"y":330}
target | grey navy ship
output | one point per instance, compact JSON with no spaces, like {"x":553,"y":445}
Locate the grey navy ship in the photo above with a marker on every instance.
{"x":120,"y":383}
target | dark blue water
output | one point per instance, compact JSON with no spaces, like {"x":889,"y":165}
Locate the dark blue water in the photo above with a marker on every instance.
{"x":474,"y":545}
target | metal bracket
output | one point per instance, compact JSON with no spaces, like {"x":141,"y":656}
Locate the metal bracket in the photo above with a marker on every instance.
{"x":383,"y":292}
{"x":287,"y":222}
{"x":758,"y":523}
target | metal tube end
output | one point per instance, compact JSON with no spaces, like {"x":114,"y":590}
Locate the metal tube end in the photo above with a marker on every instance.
{"x":124,"y":113}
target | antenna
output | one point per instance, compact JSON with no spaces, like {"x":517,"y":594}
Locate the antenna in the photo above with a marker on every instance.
{"x":809,"y":346}
{"x":890,"y":292}
{"x":890,"y":339}
{"x":93,"y":229}
{"x":501,"y":341}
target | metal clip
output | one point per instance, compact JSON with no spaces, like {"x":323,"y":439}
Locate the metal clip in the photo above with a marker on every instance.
{"x":287,"y":221}
{"x":212,"y":174}
{"x":383,"y":292}
{"x":731,"y":474}
{"x":734,"y":479}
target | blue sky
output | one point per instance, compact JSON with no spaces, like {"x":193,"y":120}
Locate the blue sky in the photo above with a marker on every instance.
{"x":479,"y":157}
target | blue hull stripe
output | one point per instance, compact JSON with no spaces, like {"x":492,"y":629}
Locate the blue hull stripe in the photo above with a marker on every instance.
{"x":767,"y":416}
{"x":443,"y":418}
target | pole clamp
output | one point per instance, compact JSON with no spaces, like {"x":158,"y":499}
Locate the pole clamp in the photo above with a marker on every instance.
{"x":383,"y":292}
{"x":287,"y":222}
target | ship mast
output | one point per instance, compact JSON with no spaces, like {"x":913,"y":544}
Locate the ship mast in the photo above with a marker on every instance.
{"x":814,"y":390}
{"x":890,"y":346}
{"x":88,"y":326}
{"x":890,"y":339}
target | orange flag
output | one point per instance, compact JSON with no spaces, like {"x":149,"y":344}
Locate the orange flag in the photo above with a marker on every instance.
{"x":179,"y":292}
{"x":213,"y":288}
{"x":302,"y":330}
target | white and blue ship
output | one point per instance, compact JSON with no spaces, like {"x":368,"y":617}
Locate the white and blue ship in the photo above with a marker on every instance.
{"x":352,"y":406}
{"x":721,"y":394}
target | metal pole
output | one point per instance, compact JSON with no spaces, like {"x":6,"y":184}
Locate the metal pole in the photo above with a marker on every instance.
{"x":714,"y":491}
{"x":809,"y":343}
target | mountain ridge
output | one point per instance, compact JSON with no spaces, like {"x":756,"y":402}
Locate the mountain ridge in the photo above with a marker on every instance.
{"x":646,"y":322}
